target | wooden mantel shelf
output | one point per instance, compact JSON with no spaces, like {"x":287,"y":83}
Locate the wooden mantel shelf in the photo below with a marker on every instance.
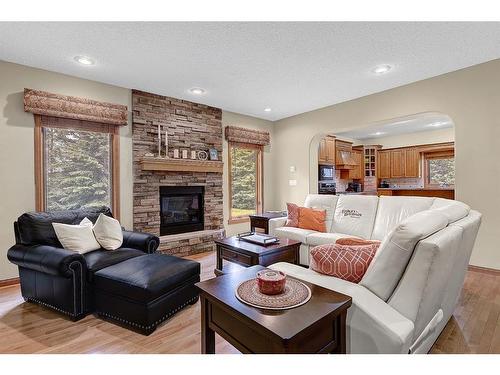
{"x":181,"y":165}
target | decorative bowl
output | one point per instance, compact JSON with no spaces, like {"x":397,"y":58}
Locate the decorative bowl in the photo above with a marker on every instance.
{"x":271,"y":282}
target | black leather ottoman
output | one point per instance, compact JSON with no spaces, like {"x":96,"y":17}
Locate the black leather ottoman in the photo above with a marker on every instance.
{"x":144,"y":291}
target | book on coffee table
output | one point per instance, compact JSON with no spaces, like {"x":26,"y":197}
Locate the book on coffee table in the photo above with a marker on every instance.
{"x":258,"y":238}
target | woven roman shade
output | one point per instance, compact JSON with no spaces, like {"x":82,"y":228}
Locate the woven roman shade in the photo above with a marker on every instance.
{"x":63,"y":106}
{"x":245,"y":135}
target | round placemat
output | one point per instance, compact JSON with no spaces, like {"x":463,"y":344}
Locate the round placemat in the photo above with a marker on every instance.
{"x":296,"y":293}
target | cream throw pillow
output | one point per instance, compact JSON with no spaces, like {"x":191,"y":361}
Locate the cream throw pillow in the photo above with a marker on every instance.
{"x":79,"y":238}
{"x":108,"y":232}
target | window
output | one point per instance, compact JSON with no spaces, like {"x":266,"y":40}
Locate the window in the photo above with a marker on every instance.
{"x":245,"y":180}
{"x":439,"y":169}
{"x":76,"y":164}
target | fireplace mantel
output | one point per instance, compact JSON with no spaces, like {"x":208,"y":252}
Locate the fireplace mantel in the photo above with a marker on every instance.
{"x":181,"y":165}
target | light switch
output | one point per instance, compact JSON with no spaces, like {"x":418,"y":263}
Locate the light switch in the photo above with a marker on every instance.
{"x":292,"y":169}
{"x":292,"y":182}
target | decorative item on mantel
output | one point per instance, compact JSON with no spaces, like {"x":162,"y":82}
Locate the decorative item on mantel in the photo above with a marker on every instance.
{"x":176,"y":153}
{"x":193,"y":155}
{"x":184,"y":154}
{"x":213,"y":154}
{"x":202,"y":155}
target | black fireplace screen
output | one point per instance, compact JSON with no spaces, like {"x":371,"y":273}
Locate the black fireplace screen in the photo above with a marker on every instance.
{"x":181,"y":209}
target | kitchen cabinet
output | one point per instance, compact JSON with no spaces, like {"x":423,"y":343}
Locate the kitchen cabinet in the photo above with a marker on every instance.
{"x":398,"y":163}
{"x":344,"y":159}
{"x":384,"y":164}
{"x":357,"y":173}
{"x":326,"y":153}
{"x":412,"y":162}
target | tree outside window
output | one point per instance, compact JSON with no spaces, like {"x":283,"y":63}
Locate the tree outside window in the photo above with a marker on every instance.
{"x":440,"y":169}
{"x":245,"y":179}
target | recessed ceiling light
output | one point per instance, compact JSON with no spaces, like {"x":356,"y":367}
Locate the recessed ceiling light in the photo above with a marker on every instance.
{"x":378,"y":133}
{"x":382,"y":69}
{"x":197,"y":91}
{"x":267,"y":109}
{"x":84,"y":60}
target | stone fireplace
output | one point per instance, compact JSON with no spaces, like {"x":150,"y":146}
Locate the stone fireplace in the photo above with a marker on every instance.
{"x":183,"y":207}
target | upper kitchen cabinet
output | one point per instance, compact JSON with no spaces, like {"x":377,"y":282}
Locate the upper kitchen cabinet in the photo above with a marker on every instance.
{"x":357,"y":173}
{"x":384,"y":164}
{"x":398,"y":163}
{"x":412,"y":162}
{"x":327,"y":151}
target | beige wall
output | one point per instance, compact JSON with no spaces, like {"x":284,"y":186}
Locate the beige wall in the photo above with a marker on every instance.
{"x":411,"y":139}
{"x":17,"y":189}
{"x":234,"y":119}
{"x":470,"y":97}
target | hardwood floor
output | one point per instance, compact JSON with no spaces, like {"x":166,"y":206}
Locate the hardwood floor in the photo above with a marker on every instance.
{"x":29,"y":328}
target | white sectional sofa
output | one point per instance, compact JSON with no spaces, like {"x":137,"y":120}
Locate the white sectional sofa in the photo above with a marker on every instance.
{"x":410,"y":289}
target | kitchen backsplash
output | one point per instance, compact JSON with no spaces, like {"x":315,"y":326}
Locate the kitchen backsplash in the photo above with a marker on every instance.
{"x":404,"y":182}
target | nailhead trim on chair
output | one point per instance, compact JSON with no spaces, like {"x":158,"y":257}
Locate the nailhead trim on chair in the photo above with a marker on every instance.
{"x":29,"y":299}
{"x":153,"y":325}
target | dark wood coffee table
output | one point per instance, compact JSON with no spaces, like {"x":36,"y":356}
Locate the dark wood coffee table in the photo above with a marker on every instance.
{"x":247,"y":254}
{"x":319,"y":326}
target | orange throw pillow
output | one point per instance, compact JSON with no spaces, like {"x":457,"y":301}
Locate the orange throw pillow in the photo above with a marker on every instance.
{"x":347,"y":262}
{"x":293,"y":215}
{"x":312,"y":219}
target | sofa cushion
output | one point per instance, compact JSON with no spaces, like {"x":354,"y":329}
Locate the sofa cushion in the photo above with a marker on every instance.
{"x":35,"y":228}
{"x":293,"y":211}
{"x":313,"y":219}
{"x":323,"y":202}
{"x":316,"y":238}
{"x":292,"y":233}
{"x":453,"y":210}
{"x":355,"y":214}
{"x":100,"y":259}
{"x":108,"y":232}
{"x":146,"y":278}
{"x":394,"y":253}
{"x":393,"y":210}
{"x":78,"y":238}
{"x":347,"y":262}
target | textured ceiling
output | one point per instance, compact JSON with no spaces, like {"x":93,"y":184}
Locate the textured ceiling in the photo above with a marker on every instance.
{"x":246,"y":67}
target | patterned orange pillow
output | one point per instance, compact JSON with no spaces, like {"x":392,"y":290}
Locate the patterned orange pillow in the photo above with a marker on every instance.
{"x":312,"y":219}
{"x":293,"y":215}
{"x":343,"y":261}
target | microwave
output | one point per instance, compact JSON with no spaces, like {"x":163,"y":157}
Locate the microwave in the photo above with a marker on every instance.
{"x":326,"y":173}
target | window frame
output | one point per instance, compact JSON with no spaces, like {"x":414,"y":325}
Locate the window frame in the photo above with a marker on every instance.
{"x":259,"y":170}
{"x":39,"y":149}
{"x":433,"y":155}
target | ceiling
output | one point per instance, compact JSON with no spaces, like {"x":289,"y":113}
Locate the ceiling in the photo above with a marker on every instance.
{"x":403,"y":125}
{"x":290,"y":67}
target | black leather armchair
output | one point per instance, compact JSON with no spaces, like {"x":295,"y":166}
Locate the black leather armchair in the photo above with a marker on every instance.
{"x":59,"y":278}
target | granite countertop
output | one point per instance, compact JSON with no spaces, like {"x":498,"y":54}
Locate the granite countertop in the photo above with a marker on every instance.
{"x":416,"y":188}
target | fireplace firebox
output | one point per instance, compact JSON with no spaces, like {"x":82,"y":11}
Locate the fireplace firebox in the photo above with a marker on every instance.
{"x":181,"y":209}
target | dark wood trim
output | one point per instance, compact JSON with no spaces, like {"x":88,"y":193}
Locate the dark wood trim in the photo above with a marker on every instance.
{"x":114,"y":131}
{"x":486,"y":270}
{"x":427,"y":147}
{"x":9,"y":282}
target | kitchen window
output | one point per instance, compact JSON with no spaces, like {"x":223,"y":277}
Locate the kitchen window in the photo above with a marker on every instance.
{"x":245,"y":180}
{"x":76,"y":164}
{"x":439,"y":169}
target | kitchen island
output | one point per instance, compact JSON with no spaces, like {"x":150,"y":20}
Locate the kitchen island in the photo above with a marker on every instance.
{"x":448,"y":193}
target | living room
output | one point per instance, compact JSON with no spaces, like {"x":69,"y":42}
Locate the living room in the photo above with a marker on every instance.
{"x":187,"y":196}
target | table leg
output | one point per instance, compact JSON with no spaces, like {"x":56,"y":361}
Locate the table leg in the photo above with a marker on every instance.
{"x":340,"y":323}
{"x":219,"y":258}
{"x":207,"y":334}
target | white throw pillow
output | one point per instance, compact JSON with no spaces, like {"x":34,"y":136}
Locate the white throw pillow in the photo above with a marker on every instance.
{"x":108,"y":232}
{"x":79,"y":238}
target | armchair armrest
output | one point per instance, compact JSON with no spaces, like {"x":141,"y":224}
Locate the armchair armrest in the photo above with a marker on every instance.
{"x":141,"y":241}
{"x":276,"y":223}
{"x":46,"y":259}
